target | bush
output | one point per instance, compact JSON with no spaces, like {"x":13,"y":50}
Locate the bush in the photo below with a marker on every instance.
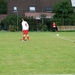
{"x":11,"y":22}
{"x":42,"y":27}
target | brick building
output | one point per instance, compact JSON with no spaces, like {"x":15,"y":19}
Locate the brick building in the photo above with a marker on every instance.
{"x":31,"y":7}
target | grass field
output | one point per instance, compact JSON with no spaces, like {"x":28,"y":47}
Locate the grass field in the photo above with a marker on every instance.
{"x":45,"y":53}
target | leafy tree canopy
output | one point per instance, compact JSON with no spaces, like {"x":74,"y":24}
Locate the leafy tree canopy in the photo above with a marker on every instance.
{"x":63,"y":8}
{"x":3,"y":6}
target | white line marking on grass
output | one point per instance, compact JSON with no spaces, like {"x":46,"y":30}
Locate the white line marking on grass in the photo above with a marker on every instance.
{"x":66,"y":39}
{"x":61,"y":37}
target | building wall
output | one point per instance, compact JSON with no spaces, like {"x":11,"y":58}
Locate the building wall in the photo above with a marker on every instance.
{"x":23,"y":5}
{"x":2,"y":16}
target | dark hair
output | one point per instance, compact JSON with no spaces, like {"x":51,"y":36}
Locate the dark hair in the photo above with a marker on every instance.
{"x":23,"y":18}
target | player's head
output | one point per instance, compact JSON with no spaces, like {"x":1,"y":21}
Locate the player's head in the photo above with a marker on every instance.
{"x":22,"y":19}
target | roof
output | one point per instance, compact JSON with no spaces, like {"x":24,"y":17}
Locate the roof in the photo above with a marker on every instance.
{"x":37,"y":15}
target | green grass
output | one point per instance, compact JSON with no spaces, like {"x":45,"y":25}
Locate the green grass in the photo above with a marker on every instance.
{"x":45,"y":53}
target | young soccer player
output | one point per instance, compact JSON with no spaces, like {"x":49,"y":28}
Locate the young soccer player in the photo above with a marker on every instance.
{"x":25,"y":28}
{"x":54,"y":27}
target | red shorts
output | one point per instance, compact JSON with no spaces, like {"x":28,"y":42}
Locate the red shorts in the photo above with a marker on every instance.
{"x":25,"y":31}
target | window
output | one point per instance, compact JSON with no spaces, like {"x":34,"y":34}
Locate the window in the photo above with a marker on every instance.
{"x":48,"y":9}
{"x":73,"y":3}
{"x":15,"y":9}
{"x":32,"y":9}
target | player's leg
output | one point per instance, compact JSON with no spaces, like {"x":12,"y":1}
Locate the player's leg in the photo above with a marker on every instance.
{"x":24,"y":36}
{"x":28,"y":38}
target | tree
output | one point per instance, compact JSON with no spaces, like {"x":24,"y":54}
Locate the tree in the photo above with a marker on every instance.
{"x":3,"y":6}
{"x":10,"y":22}
{"x":63,"y":11}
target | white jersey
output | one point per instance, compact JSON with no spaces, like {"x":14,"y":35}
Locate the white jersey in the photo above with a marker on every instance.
{"x":25,"y":25}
